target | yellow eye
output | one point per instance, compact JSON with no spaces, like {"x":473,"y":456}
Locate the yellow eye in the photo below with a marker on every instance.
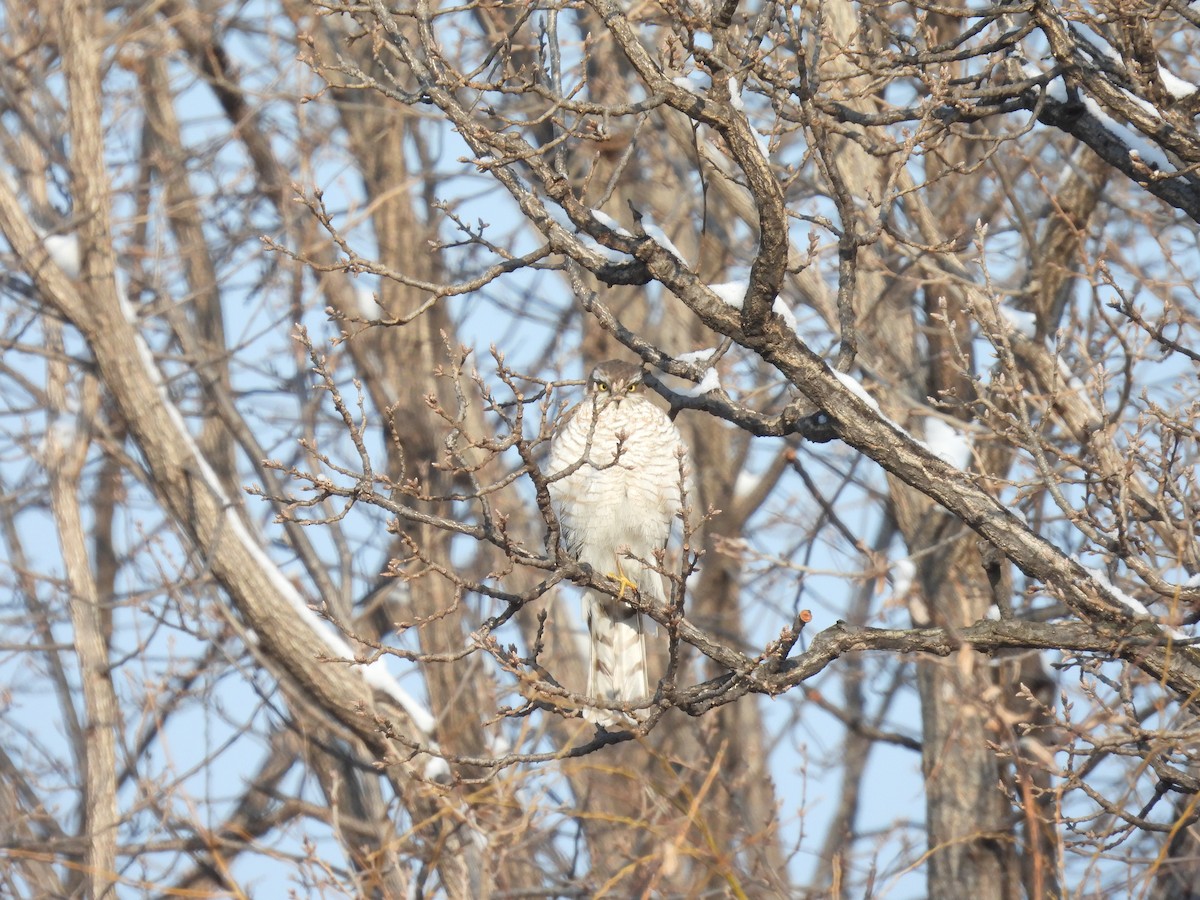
{"x":632,"y":389}
{"x":601,"y":386}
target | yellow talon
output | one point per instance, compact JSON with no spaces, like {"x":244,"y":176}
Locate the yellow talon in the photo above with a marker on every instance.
{"x":623,"y":580}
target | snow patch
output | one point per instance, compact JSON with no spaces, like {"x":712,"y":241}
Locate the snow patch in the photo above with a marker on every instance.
{"x":1021,"y":321}
{"x":610,"y":223}
{"x":734,"y":294}
{"x":365,"y":302}
{"x":1176,"y":86}
{"x":855,"y":387}
{"x":652,"y":230}
{"x":731,"y":292}
{"x":660,"y":237}
{"x":375,"y":673}
{"x":1098,"y":43}
{"x":1056,"y":88}
{"x":696,"y":357}
{"x":763,"y":141}
{"x":710,"y":382}
{"x":437,"y":769}
{"x":64,"y":426}
{"x":746,"y":484}
{"x":608,"y":253}
{"x":62,"y":431}
{"x":1139,"y":147}
{"x":1073,"y":383}
{"x":784,"y":311}
{"x":947,"y":443}
{"x":693,"y":83}
{"x":1132,"y":604}
{"x":64,"y":250}
{"x":735,"y":96}
{"x":904,"y":573}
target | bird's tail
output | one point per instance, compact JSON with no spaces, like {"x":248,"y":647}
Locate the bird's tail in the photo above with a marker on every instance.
{"x":617,"y":670}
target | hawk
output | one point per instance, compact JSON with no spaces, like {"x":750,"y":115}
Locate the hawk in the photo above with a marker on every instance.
{"x":617,"y":465}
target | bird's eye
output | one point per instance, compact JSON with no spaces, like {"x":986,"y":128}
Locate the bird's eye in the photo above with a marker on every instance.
{"x":632,"y":389}
{"x":601,"y":386}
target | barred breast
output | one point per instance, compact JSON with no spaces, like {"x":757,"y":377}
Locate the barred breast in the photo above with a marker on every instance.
{"x":626,"y":489}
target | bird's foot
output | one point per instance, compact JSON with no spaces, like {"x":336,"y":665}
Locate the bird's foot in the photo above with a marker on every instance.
{"x":625,"y":583}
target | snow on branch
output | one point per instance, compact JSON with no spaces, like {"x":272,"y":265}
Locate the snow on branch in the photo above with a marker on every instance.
{"x":374,"y":674}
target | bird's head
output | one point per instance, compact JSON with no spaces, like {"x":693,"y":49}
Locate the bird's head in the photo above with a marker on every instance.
{"x":616,"y":381}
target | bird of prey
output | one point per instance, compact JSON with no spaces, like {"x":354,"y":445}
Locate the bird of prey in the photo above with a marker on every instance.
{"x":617,"y":466}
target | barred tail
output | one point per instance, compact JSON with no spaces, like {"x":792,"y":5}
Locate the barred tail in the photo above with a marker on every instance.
{"x":617,"y":670}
